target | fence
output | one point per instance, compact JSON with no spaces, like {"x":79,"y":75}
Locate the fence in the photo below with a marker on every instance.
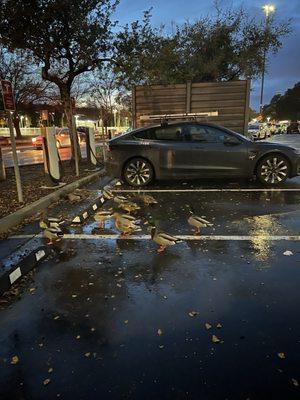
{"x":227,"y":103}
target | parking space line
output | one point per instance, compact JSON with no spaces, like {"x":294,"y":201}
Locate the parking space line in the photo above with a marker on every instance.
{"x":203,"y":190}
{"x":270,"y":238}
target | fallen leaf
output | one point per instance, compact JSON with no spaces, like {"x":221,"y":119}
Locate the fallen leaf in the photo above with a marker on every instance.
{"x":56,"y":317}
{"x":193,"y":313}
{"x":281,"y":355}
{"x":219,"y":325}
{"x":159,"y":332}
{"x":295,"y":382}
{"x":50,"y":370}
{"x":74,"y":296}
{"x":93,"y":329}
{"x":14,"y":360}
{"x":288,"y":253}
{"x":161,"y":346}
{"x":46,"y":382}
{"x":78,"y":337}
{"x":87,"y":354}
{"x":32,"y":290}
{"x":207,"y":325}
{"x":126,"y":321}
{"x":215,"y":339}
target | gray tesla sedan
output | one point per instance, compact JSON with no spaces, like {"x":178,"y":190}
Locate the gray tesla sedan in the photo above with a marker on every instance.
{"x":189,"y":150}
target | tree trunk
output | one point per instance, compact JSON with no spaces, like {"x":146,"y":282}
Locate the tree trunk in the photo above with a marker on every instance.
{"x":2,"y":168}
{"x":16,"y":122}
{"x":66,"y":101}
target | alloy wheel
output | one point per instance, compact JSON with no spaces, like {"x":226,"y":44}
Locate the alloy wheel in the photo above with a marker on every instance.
{"x":273,"y":170}
{"x":138,"y":172}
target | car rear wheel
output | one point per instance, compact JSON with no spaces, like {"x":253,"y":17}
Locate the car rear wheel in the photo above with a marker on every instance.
{"x":273,"y":170}
{"x":138,"y":172}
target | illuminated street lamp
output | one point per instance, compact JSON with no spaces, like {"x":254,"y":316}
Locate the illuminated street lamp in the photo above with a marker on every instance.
{"x":268,"y":9}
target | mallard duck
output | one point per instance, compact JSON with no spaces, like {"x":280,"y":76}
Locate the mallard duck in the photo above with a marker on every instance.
{"x":198,"y":222}
{"x":103,"y":216}
{"x":119,"y":199}
{"x":53,"y":234}
{"x":163,"y":239}
{"x":126,"y":224}
{"x":50,"y":222}
{"x":107,"y":194}
{"x":148,"y":200}
{"x":129,"y":206}
{"x":73,"y":198}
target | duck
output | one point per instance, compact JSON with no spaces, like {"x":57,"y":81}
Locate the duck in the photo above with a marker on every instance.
{"x":119,"y":199}
{"x":107,"y":194}
{"x":198,"y":222}
{"x":163,"y":239}
{"x":73,"y":198}
{"x":103,"y":216}
{"x":53,"y":234}
{"x":126,"y":223}
{"x":148,"y":200}
{"x":50,"y":222}
{"x":129,"y":206}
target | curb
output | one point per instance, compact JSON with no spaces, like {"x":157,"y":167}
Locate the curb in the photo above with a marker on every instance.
{"x":22,"y":267}
{"x":18,"y":217}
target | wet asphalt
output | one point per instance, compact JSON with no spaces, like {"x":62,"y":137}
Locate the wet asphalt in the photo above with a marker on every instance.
{"x":113,"y":319}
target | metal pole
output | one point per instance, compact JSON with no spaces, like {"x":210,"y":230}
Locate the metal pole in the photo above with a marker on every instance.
{"x":15,"y":158}
{"x":75,"y":145}
{"x":264,"y":66}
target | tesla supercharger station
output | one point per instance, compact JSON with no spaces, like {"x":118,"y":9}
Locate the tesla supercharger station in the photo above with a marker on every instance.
{"x":90,"y":146}
{"x":51,"y":156}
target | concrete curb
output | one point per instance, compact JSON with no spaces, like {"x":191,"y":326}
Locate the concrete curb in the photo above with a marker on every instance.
{"x":17,"y":217}
{"x":22,"y":267}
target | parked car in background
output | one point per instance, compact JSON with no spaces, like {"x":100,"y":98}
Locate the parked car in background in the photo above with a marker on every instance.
{"x":254,"y":131}
{"x":293,"y":128}
{"x":62,"y":138}
{"x":186,"y":150}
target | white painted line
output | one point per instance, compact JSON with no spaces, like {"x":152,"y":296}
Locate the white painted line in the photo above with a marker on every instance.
{"x":102,"y":200}
{"x":15,"y":275}
{"x":85,"y":215}
{"x":203,"y":190}
{"x":95,"y":207}
{"x":76,"y":219}
{"x":270,"y":238}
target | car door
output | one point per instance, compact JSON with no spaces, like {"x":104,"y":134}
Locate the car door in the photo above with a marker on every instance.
{"x":214,"y":152}
{"x":173,"y":147}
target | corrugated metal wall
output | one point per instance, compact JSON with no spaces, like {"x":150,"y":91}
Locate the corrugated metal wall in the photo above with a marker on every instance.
{"x":229,"y":99}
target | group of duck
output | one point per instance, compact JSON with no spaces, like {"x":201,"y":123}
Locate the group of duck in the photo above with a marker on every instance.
{"x":125,"y":223}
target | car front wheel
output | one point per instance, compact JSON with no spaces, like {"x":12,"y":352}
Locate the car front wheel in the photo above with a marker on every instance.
{"x":138,"y":172}
{"x":273,"y":170}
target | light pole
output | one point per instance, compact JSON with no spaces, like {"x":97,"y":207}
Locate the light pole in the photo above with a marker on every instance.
{"x":268,"y":9}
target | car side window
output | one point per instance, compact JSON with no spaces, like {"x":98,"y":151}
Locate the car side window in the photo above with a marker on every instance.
{"x":147,"y":134}
{"x":207,"y":134}
{"x":171,"y":133}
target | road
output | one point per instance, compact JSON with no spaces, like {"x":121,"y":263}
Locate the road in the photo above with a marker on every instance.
{"x":29,"y":155}
{"x":110,"y":318}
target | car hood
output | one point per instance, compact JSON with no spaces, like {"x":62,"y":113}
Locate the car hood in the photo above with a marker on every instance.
{"x":270,"y":146}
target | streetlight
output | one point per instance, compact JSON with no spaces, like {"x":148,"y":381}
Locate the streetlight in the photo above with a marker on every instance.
{"x":268,"y":9}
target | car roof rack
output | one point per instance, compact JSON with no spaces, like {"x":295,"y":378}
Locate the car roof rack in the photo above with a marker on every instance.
{"x":164,"y":119}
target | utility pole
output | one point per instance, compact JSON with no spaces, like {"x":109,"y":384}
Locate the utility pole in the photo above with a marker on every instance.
{"x":268,"y":9}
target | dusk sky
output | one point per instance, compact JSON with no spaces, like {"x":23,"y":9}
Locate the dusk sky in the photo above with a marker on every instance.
{"x":283,"y":69}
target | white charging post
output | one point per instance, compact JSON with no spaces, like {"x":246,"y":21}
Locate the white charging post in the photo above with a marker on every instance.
{"x":52,"y":155}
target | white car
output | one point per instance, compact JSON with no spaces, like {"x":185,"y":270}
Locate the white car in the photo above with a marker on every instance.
{"x":256,"y":132}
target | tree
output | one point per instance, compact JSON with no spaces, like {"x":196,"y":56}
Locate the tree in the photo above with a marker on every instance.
{"x":286,"y":106}
{"x":67,"y":38}
{"x":27,"y":83}
{"x":223,"y":47}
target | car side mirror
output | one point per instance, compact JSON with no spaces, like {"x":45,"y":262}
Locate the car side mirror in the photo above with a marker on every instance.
{"x":231,"y":141}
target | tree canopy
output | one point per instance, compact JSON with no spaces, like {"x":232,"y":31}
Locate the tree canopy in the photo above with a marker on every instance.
{"x":286,"y":106}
